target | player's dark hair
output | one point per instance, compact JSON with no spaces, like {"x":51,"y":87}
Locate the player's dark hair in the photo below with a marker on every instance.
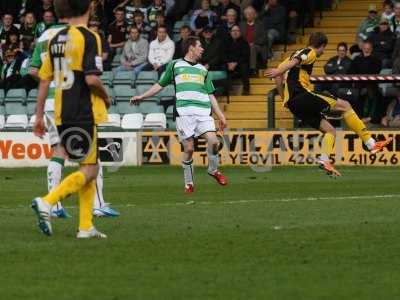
{"x":191,"y":41}
{"x":318,"y":39}
{"x":71,"y":8}
{"x":342,"y":44}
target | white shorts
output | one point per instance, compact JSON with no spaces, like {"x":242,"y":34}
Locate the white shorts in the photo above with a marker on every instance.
{"x":54,"y":138}
{"x":193,"y":126}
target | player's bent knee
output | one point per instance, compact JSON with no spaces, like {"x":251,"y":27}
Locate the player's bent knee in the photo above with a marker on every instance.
{"x":343,"y":105}
{"x":90,"y":171}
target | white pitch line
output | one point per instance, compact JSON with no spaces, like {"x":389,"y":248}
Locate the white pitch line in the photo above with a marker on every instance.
{"x":389,"y":196}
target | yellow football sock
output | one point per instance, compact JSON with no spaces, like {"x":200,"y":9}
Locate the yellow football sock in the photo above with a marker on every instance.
{"x":70,"y":185}
{"x":355,"y":124}
{"x":86,"y":199}
{"x":327,"y":145}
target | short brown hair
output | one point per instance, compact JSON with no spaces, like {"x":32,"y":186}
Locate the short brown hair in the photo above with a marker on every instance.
{"x":190,"y":41}
{"x":71,"y":8}
{"x":318,"y":39}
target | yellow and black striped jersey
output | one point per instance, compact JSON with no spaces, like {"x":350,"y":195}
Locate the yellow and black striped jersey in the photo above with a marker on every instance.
{"x":73,"y":53}
{"x":297,"y":79}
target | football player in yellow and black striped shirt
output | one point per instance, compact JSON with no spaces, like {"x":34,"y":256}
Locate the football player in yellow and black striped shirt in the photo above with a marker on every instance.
{"x":74,"y":63}
{"x":292,"y":79}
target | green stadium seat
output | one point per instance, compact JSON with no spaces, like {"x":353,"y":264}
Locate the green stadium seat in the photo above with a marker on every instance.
{"x":124,"y":78}
{"x":15,"y":101}
{"x":110,"y":93}
{"x":167,"y":93}
{"x":170,"y":117}
{"x":149,"y":106}
{"x":218,"y":75}
{"x":123,"y":94}
{"x":141,"y":89}
{"x":146,"y":77}
{"x":31,"y":102}
{"x":116,"y":61}
{"x":1,"y":96}
{"x":107,"y":78}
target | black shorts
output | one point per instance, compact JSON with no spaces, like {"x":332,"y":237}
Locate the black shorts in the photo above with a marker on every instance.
{"x":311,"y":107}
{"x":80,"y":142}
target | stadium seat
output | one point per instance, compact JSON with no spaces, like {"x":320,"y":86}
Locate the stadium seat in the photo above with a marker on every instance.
{"x":141,"y":89}
{"x":123,"y":94}
{"x":31,"y":102}
{"x":167,"y":94}
{"x":17,"y":121}
{"x":107,"y":78}
{"x":32,"y":121}
{"x":2,"y":121}
{"x":170,"y":117}
{"x":132,"y":121}
{"x":110,"y":93}
{"x":114,"y":120}
{"x":155,"y":120}
{"x":146,"y":77}
{"x":124,"y":78}
{"x":116,"y":61}
{"x":218,"y":75}
{"x":149,"y":106}
{"x":14,"y":102}
{"x":385,"y":86}
{"x":1,"y":96}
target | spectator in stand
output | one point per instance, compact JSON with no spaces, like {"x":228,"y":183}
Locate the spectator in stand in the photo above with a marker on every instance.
{"x":10,"y":72}
{"x":28,"y":28}
{"x":339,"y":64}
{"x":368,"y":24}
{"x":13,"y":42}
{"x":160,"y":21}
{"x":274,"y":18}
{"x":7,"y":28}
{"x":387,"y":10}
{"x":213,"y":57}
{"x":369,"y":97}
{"x":130,"y":7}
{"x":117,"y":31}
{"x":203,"y":17}
{"x":383,"y":40}
{"x":161,"y":51}
{"x":152,"y":10}
{"x":94,"y":25}
{"x":224,"y":29}
{"x":184,"y":33}
{"x":238,"y":58}
{"x":39,"y":10}
{"x":138,"y":22}
{"x":253,"y":31}
{"x":396,"y":55}
{"x":392,"y":117}
{"x":48,"y":21}
{"x":395,"y":21}
{"x":222,"y":8}
{"x":134,"y":56}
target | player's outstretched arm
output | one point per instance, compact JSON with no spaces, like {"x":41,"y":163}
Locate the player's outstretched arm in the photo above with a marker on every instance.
{"x":150,"y":92}
{"x":218,"y":112}
{"x":38,"y":127}
{"x":274,"y":72}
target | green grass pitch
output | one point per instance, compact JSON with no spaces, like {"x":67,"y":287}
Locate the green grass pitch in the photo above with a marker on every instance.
{"x":292,"y":233}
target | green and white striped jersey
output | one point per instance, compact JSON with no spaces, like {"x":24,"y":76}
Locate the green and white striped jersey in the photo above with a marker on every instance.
{"x":38,"y":55}
{"x":192,"y":87}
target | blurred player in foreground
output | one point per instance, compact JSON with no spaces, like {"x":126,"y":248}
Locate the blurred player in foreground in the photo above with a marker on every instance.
{"x":311,"y":107}
{"x":74,"y":63}
{"x":56,"y":164}
{"x":195,"y":102}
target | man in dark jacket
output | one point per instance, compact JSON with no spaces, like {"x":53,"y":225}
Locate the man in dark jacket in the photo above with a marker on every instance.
{"x":184,"y":33}
{"x":274,"y":18}
{"x":223,"y":7}
{"x":383,"y":40}
{"x":339,"y":64}
{"x":224,"y":29}
{"x":214,"y":50}
{"x":253,"y":31}
{"x":238,"y":58}
{"x":369,"y":104}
